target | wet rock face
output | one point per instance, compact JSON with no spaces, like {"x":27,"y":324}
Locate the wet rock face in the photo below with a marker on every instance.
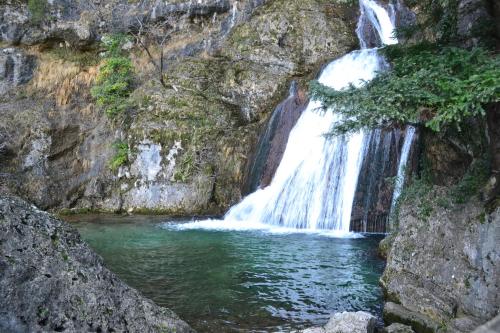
{"x":444,"y":272}
{"x":373,"y":196}
{"x":273,"y":140}
{"x":51,"y":281}
{"x":16,"y":68}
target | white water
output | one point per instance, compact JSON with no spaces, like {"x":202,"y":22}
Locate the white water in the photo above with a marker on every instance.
{"x":403,"y":161}
{"x":314,"y":186}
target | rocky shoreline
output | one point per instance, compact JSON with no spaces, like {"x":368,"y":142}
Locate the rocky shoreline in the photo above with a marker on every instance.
{"x":51,"y":281}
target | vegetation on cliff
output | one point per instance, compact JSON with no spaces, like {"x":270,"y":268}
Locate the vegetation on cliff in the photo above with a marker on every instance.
{"x":121,"y":156}
{"x":115,"y":80}
{"x":432,"y":80}
{"x":37,"y":9}
{"x":444,"y":77}
{"x":427,"y":84}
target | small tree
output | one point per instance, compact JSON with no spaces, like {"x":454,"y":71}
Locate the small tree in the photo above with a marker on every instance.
{"x":156,"y":34}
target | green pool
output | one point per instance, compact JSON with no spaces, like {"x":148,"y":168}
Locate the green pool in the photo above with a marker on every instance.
{"x":239,"y":281}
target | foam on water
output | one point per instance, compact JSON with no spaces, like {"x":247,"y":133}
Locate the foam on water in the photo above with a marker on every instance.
{"x":314,"y":186}
{"x":225,"y":225}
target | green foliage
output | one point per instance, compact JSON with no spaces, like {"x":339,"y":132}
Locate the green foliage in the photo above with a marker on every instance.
{"x":418,"y":193}
{"x":121,"y":156}
{"x":426,"y":85}
{"x":38,"y":10}
{"x":470,"y":184}
{"x":115,"y":80}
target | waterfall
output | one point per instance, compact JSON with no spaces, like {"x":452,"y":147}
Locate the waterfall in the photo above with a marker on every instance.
{"x":234,"y":12}
{"x":264,"y":146}
{"x":314,"y":185}
{"x":403,"y":161}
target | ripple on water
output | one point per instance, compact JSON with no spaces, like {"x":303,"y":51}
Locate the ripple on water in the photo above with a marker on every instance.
{"x":227,"y":279}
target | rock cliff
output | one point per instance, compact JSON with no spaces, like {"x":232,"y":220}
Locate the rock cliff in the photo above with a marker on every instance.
{"x":50,"y":281}
{"x":227,"y":63}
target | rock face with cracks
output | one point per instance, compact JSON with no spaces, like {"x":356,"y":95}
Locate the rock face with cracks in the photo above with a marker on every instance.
{"x":50,"y":281}
{"x":227,"y":65}
{"x":444,"y":272}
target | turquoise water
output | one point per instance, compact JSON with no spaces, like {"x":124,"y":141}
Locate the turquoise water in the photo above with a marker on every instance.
{"x":239,"y":281}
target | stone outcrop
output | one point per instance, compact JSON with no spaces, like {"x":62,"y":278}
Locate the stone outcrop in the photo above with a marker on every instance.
{"x":443,"y":271}
{"x":492,"y":326}
{"x":16,"y":68}
{"x":476,"y":21}
{"x":346,"y":322}
{"x":398,"y":328}
{"x":50,"y":281}
{"x":229,"y":63}
{"x":84,"y":22}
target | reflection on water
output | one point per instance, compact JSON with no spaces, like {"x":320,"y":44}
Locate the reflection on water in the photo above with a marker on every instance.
{"x":226,"y":281}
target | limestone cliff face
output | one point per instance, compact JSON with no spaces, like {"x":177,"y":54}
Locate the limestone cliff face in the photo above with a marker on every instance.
{"x":443,"y":273}
{"x":228,"y":63}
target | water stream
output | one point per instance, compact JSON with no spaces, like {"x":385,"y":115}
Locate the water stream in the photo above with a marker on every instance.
{"x":271,"y":264}
{"x":403,"y":161}
{"x":315,"y":183}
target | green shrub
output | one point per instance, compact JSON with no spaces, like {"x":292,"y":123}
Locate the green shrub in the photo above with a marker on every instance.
{"x":38,"y":10}
{"x":121,"y":156}
{"x":471,"y":183}
{"x":426,"y":85}
{"x":115,"y":80}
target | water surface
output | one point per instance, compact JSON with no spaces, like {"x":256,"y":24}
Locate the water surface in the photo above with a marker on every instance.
{"x":239,"y":281}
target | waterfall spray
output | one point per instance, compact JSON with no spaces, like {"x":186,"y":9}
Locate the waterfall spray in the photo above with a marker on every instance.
{"x":314,"y":186}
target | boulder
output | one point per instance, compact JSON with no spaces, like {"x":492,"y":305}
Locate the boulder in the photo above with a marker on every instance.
{"x":346,"y":322}
{"x":398,"y":328}
{"x":493,"y":326}
{"x":50,"y":280}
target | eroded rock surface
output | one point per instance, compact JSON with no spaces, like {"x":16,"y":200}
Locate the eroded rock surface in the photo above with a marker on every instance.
{"x":443,"y":272}
{"x":50,"y":281}
{"x":228,"y":63}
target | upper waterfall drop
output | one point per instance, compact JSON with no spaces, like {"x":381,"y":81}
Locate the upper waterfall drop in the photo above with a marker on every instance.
{"x":314,"y":185}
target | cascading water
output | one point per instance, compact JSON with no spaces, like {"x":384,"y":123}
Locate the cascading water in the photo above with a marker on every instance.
{"x":403,"y":161}
{"x":315,"y":183}
{"x":285,"y":112}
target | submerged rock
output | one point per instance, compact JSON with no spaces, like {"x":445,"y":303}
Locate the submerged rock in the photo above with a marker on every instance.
{"x":50,"y":280}
{"x":346,"y":322}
